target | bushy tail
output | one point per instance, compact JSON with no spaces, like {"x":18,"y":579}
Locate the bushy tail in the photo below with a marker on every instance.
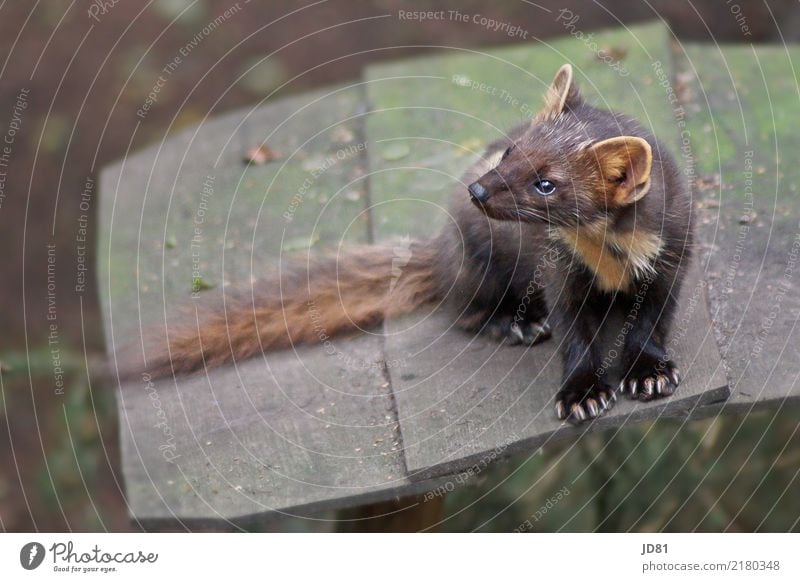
{"x":310,"y":301}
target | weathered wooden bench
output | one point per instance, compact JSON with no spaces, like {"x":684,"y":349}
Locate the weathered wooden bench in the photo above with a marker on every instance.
{"x":395,"y":414}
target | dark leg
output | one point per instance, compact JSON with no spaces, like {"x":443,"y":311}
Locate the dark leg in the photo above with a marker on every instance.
{"x":647,"y":371}
{"x":584,"y":393}
{"x":517,"y":321}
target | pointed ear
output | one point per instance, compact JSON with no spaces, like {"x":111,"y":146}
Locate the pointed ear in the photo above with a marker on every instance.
{"x":562,"y":91}
{"x":624,"y":168}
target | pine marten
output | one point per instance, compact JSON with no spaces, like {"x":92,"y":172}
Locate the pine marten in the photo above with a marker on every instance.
{"x":586,"y":198}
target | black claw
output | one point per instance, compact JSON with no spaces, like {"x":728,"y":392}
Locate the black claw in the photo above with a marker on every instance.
{"x":561,"y":412}
{"x":603,"y":402}
{"x":675,"y":376}
{"x":591,"y":407}
{"x":661,"y":383}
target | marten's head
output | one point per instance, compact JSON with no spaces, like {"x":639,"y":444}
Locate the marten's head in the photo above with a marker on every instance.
{"x":559,"y":171}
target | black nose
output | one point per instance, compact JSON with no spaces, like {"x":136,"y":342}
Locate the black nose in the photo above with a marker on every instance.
{"x":478,"y":192}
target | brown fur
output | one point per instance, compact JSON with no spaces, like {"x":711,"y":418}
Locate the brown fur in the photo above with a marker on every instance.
{"x":613,"y":271}
{"x":604,"y":180}
{"x":624,"y":165}
{"x":560,"y":91}
{"x":308,"y":303}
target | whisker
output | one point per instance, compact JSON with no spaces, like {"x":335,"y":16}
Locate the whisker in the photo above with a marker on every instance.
{"x":528,"y":213}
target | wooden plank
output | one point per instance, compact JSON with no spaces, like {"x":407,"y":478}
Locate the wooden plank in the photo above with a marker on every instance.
{"x":292,"y":434}
{"x":742,"y":105}
{"x":296,"y":431}
{"x":463,"y":400}
{"x":466,"y":400}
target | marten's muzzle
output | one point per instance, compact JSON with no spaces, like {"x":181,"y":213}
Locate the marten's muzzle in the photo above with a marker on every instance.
{"x":478,"y":193}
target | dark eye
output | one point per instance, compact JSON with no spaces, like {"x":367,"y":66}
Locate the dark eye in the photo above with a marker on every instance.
{"x":508,"y":151}
{"x":544,"y":187}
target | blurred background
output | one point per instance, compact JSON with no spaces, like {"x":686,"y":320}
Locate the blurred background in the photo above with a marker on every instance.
{"x":59,"y":462}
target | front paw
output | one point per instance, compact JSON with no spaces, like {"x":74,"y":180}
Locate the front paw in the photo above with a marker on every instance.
{"x":515,"y":332}
{"x":650,"y":378}
{"x":583,"y":398}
